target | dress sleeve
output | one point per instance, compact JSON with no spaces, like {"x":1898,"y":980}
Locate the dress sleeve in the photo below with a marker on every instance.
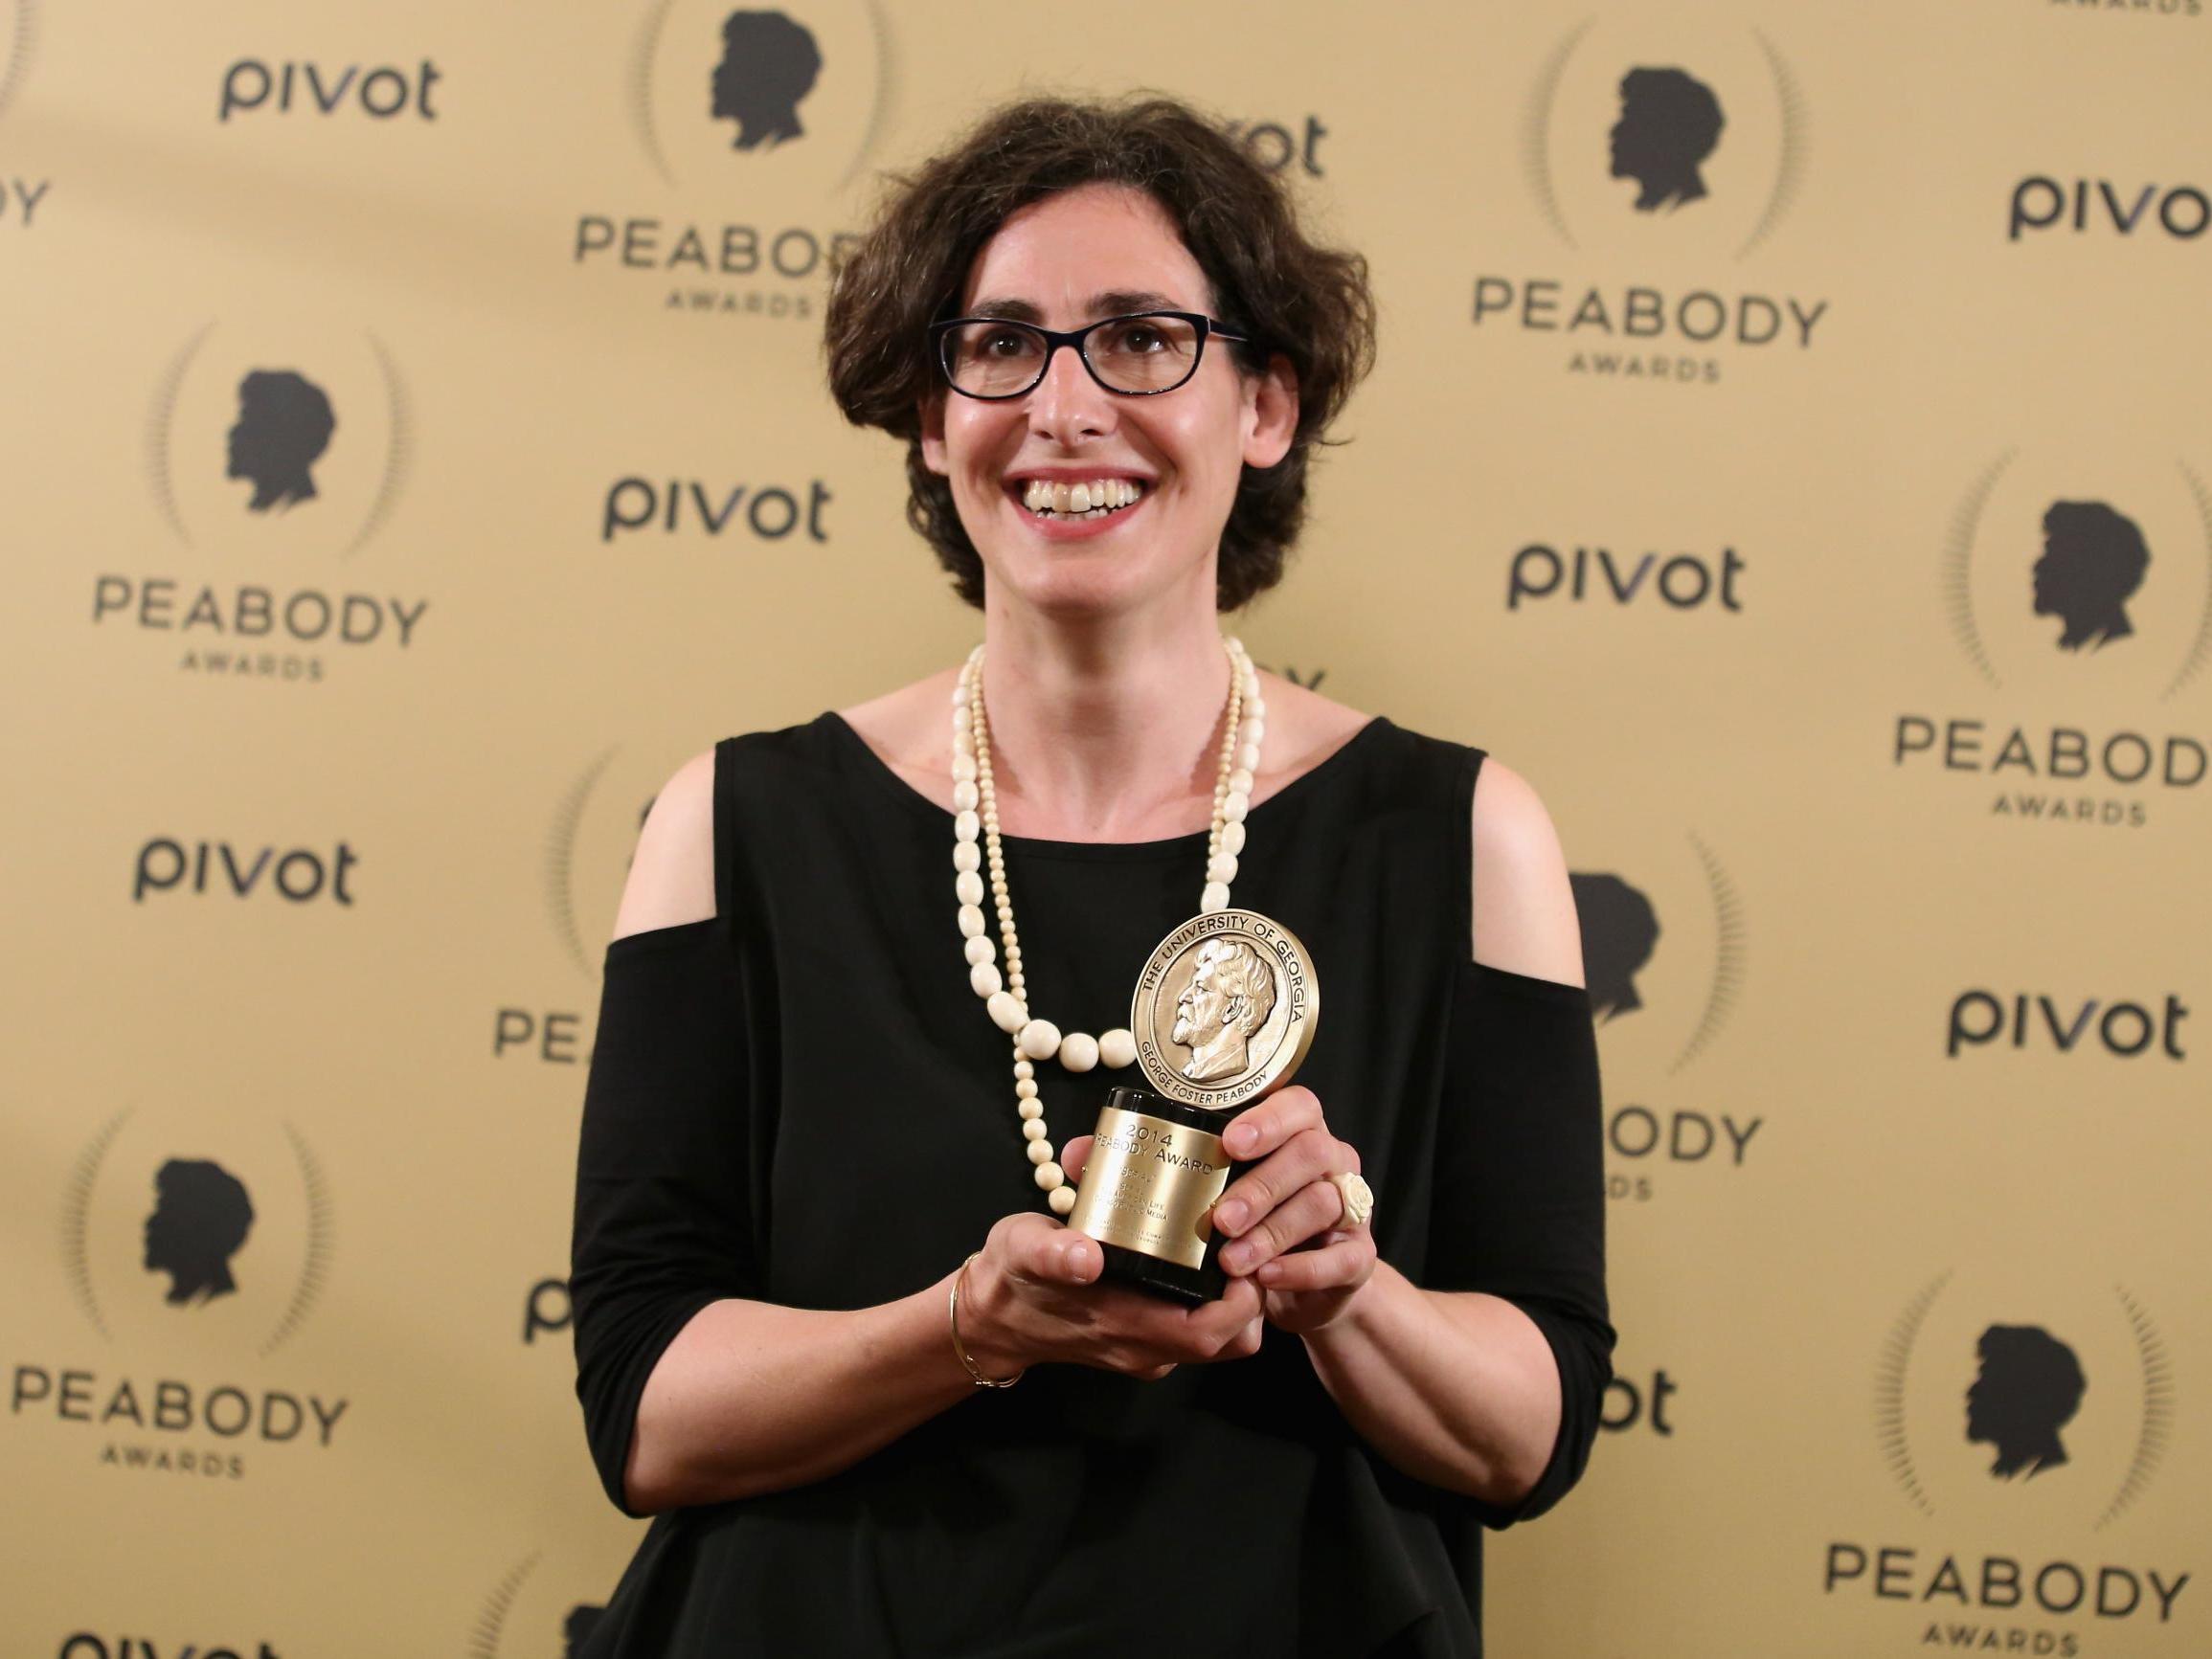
{"x":1518,"y":1207}
{"x":662,"y":1208}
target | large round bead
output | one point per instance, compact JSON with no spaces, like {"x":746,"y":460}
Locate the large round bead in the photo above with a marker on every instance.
{"x":1118,"y":1047}
{"x":1215,"y":898}
{"x":1006,"y":1012}
{"x":1062,"y":1198}
{"x":1040,"y":1039}
{"x":1221,"y":868}
{"x":1039,"y":1151}
{"x":972,"y":920}
{"x":964,"y":796}
{"x":1235,"y":805}
{"x":1233,"y":838}
{"x":980,"y":950}
{"x":984,"y":976}
{"x":1049,"y":1175}
{"x":968,"y":885}
{"x":967,"y":826}
{"x":967,"y":855}
{"x":1079,"y":1051}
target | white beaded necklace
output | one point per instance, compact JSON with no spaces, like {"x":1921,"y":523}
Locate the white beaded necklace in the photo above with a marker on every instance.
{"x":976,"y":809}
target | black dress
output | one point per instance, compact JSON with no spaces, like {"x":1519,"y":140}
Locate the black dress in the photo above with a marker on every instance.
{"x":801,"y":1101}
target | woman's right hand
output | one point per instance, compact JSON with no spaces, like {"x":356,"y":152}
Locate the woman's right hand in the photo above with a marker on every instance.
{"x":1034,"y":1294}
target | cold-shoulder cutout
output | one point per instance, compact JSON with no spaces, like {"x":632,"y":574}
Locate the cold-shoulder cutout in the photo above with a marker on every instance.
{"x":671,"y":878}
{"x":1523,"y":908}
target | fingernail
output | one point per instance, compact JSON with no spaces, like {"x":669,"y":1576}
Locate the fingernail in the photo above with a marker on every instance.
{"x":1230,"y":1217}
{"x":1232,"y":1260}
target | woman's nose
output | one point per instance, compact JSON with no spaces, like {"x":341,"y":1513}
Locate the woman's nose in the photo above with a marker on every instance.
{"x":1068,"y":406}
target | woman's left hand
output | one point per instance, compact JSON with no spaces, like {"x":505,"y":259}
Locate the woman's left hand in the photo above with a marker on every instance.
{"x":1286,"y":1200}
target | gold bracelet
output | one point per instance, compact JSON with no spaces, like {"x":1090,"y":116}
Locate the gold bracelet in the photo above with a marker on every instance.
{"x":973,"y":1369}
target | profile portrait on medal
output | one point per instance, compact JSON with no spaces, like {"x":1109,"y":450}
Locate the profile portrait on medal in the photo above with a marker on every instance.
{"x":1222,"y":1012}
{"x":965,"y":1168}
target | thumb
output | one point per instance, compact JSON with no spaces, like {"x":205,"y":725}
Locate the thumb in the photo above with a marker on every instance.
{"x":1045,"y":1252}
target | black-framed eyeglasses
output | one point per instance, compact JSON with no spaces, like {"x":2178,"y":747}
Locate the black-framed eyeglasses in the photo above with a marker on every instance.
{"x":1137,"y":356}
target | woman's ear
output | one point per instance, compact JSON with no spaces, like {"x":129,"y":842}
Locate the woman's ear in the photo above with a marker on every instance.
{"x":1271,"y":412}
{"x":933,"y":435}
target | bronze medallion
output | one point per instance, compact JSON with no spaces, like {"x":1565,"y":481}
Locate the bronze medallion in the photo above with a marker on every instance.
{"x":1224,"y":1009}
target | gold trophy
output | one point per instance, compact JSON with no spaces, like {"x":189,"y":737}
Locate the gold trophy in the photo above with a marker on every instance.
{"x":1224,"y":1013}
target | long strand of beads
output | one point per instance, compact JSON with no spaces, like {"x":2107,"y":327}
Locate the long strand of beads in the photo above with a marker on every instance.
{"x":1005,"y":998}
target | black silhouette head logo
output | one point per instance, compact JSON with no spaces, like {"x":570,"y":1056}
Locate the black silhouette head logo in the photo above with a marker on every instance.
{"x":2029,"y":1388}
{"x":768,"y":64}
{"x":1669,"y":124}
{"x":284,"y":425}
{"x":578,"y":1627}
{"x":201,"y":1215}
{"x":1619,"y":930}
{"x":2092,"y":562}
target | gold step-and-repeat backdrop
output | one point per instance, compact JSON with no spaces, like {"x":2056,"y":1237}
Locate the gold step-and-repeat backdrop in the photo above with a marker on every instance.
{"x":1790,"y":449}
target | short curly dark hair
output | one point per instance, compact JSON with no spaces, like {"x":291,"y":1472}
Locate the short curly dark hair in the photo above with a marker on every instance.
{"x":1310,"y":303}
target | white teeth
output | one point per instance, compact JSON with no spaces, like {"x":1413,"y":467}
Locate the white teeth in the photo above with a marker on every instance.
{"x":1092,"y":500}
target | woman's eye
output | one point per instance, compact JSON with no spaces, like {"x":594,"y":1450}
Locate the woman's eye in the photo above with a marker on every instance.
{"x":1006,"y":344}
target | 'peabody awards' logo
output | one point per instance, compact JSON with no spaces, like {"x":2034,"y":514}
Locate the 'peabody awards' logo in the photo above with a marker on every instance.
{"x":173,"y":1221}
{"x":19,"y":193}
{"x":1661,"y":151}
{"x":524,"y":1618}
{"x":274,"y":453}
{"x":2026,"y":1415}
{"x":780,"y":107}
{"x":589,"y":842}
{"x":2081,"y":587}
{"x":1662,"y":993}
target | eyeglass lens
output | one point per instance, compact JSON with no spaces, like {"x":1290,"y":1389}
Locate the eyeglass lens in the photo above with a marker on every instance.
{"x":1127,"y":355}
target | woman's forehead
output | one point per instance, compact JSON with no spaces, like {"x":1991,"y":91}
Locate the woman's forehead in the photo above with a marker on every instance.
{"x":1083,"y":252}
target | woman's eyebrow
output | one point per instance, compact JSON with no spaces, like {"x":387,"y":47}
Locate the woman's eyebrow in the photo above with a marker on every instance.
{"x":1121,"y":303}
{"x":1113,"y":303}
{"x":1012,"y":310}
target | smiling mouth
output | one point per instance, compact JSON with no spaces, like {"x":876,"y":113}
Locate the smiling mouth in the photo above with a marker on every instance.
{"x":1099,"y":499}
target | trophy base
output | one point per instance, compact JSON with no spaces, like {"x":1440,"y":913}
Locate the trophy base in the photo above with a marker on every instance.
{"x":1148,"y":1194}
{"x":1197,"y":1285}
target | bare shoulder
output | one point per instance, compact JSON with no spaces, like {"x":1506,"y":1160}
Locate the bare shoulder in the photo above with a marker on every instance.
{"x":1525,"y":919}
{"x":672,"y":872}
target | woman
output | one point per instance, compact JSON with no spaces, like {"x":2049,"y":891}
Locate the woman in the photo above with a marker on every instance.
{"x":797,"y":1147}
